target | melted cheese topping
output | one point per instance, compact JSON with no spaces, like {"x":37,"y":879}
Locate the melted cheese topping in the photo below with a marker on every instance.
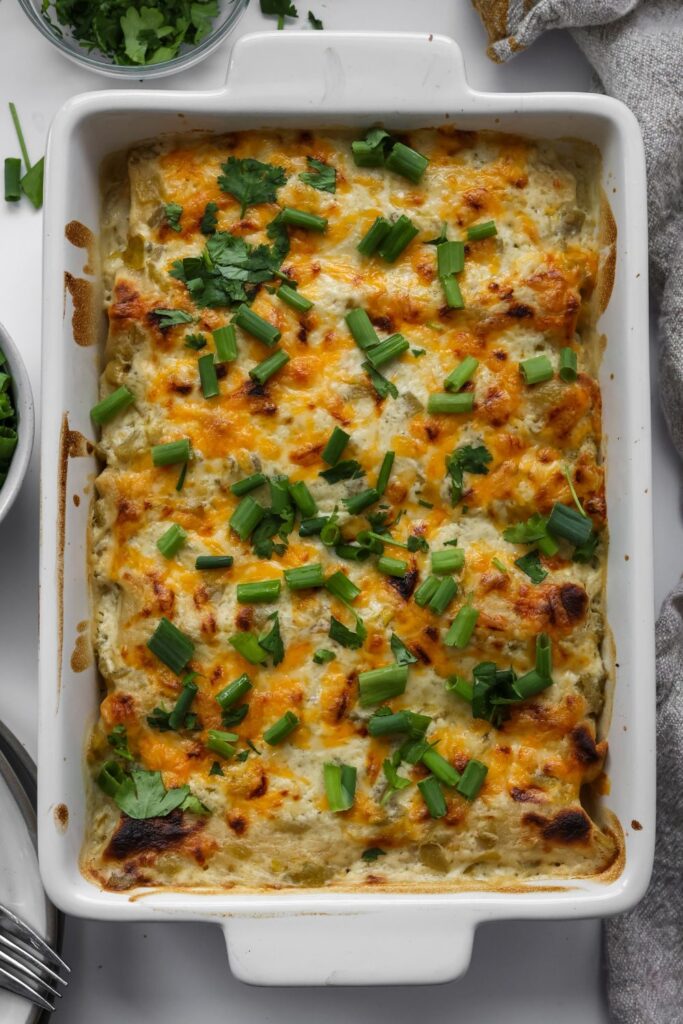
{"x":527,"y":290}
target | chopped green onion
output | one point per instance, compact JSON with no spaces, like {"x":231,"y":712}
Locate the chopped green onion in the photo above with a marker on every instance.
{"x":323,"y":655}
{"x":259,"y":592}
{"x":330,"y":532}
{"x":372,"y":541}
{"x":401,"y":234}
{"x":536,"y":370}
{"x":451,"y":290}
{"x":374,"y":237}
{"x":568,"y":365}
{"x":463,"y":687}
{"x":311,"y":527}
{"x":111,"y":777}
{"x":176,"y":719}
{"x":426,"y":591}
{"x":234,"y":691}
{"x":248,"y":646}
{"x":246,"y":517}
{"x":385,"y":472}
{"x":172,"y":453}
{"x":12,"y":179}
{"x":180,"y":483}
{"x":382,"y":386}
{"x":497,"y":564}
{"x":20,"y":135}
{"x":370,"y":151}
{"x":450,"y":258}
{"x":568,"y":523}
{"x":462,"y":627}
{"x":222,"y":743}
{"x":400,"y":721}
{"x":280,"y":499}
{"x":114,"y":403}
{"x":544,"y":655}
{"x":339,"y":585}
{"x":432,"y":795}
{"x":171,"y":646}
{"x":364,"y":334}
{"x":225,"y":340}
{"x":32,"y":183}
{"x":477,"y":232}
{"x":347,"y":469}
{"x":213,"y":562}
{"x":207,"y":376}
{"x":458,"y":377}
{"x":302,"y":498}
{"x":444,"y":562}
{"x":392,"y":566}
{"x":445,"y":402}
{"x":264,"y":370}
{"x":472,"y":779}
{"x":305,"y":577}
{"x":407,"y":162}
{"x":443,"y":595}
{"x":336,"y":444}
{"x":248,"y":483}
{"x":340,"y":786}
{"x":440,"y":767}
{"x":530,"y":684}
{"x":387,"y":350}
{"x":352,"y":552}
{"x":359,"y":502}
{"x":301,"y":219}
{"x":380,"y":684}
{"x":281,"y":729}
{"x":170,"y":543}
{"x":293,"y":298}
{"x":255,"y":325}
{"x":572,"y":491}
{"x":195,"y":341}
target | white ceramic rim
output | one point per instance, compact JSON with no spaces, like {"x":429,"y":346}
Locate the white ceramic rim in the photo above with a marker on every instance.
{"x":23,"y":400}
{"x":359,"y":938}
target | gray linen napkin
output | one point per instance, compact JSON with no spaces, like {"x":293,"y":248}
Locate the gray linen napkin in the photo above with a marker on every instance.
{"x":636,"y":50}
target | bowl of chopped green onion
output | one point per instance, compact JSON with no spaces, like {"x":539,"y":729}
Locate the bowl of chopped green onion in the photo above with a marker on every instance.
{"x":133,"y":38}
{"x":16,"y":422}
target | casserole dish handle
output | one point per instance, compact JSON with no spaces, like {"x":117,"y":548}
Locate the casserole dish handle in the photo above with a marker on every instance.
{"x":302,"y":71}
{"x":347,"y":944}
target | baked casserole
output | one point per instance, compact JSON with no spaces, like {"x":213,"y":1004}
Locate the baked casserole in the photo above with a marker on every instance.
{"x":349,"y":539}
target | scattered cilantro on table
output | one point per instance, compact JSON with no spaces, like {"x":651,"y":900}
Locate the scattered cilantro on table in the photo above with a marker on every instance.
{"x":281,"y":9}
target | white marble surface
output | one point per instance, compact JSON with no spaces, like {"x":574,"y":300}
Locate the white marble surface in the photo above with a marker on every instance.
{"x":163,"y":974}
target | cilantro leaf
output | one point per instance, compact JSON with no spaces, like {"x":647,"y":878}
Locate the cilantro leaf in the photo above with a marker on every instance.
{"x":251,"y":181}
{"x":466,"y":459}
{"x":233,"y":716}
{"x":281,"y":8}
{"x":402,"y":654}
{"x":347,"y":469}
{"x":586,"y":552}
{"x":271,"y":640}
{"x":202,"y":14}
{"x":279,"y":234}
{"x":142,"y":31}
{"x":535,"y":528}
{"x":315,"y":22}
{"x":321,"y":175}
{"x":216,"y":769}
{"x":142,"y":794}
{"x":160,"y":720}
{"x":173,"y":212}
{"x":530,"y":564}
{"x":416,"y":543}
{"x":118,"y":739}
{"x":346,"y":637}
{"x":166,"y":318}
{"x":372,"y":853}
{"x":195,"y":341}
{"x":209,"y":221}
{"x":395,"y":782}
{"x":194,"y":805}
{"x":382,"y":386}
{"x":228,"y":270}
{"x":441,"y":237}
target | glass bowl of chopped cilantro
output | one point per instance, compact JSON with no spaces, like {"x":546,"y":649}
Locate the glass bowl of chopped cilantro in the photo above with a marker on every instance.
{"x":16,"y":422}
{"x":135,"y":38}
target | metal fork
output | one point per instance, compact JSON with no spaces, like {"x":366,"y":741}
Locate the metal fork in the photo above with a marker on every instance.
{"x":28,"y":966}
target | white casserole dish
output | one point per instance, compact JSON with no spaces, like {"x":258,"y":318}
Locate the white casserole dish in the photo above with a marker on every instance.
{"x":313,"y":80}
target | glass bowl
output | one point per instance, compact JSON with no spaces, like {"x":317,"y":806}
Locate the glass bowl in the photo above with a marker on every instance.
{"x":22,"y":398}
{"x":229,"y":13}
